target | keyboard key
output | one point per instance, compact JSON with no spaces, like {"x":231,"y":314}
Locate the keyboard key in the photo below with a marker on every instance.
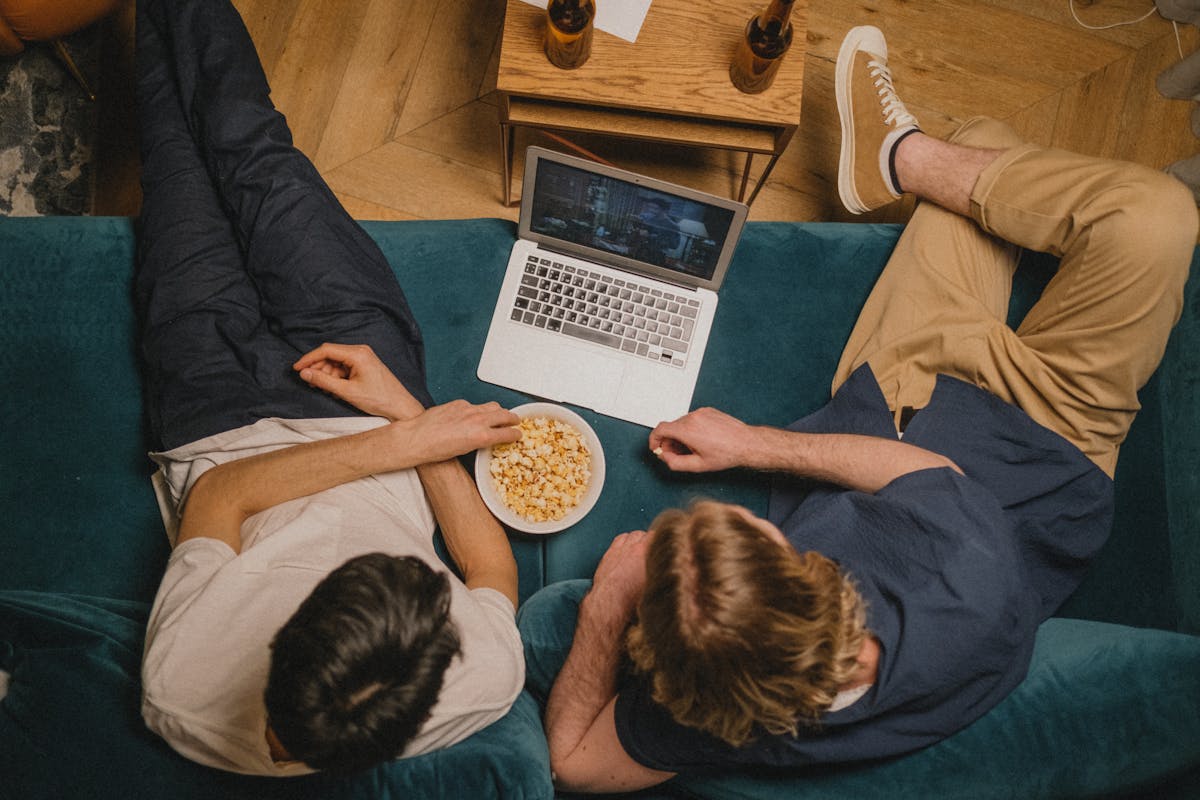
{"x":629,"y":345}
{"x":516,"y":315}
{"x":540,"y":321}
{"x":599,"y":337}
{"x":675,"y":345}
{"x":688,"y":311}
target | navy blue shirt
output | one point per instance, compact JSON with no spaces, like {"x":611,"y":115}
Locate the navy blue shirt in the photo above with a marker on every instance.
{"x":957,"y":572}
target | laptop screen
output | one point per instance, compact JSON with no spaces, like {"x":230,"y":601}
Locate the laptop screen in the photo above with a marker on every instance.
{"x":629,"y":220}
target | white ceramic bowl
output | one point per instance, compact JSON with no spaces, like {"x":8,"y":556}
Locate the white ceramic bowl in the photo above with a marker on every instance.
{"x":487,"y":489}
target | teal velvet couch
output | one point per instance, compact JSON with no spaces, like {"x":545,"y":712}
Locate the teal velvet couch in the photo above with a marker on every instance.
{"x":1111,"y":706}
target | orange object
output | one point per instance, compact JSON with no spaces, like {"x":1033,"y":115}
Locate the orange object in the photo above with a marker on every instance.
{"x":24,"y":21}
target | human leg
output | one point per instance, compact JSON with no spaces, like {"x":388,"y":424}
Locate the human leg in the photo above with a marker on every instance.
{"x":947,"y":284}
{"x":196,"y":303}
{"x":319,"y":276}
{"x":1124,"y":235}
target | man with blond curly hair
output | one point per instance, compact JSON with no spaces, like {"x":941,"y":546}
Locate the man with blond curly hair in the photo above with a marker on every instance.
{"x":922,"y":524}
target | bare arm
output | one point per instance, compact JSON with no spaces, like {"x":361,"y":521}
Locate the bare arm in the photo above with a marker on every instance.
{"x":225,"y":496}
{"x":476,"y":541}
{"x":585,"y":753}
{"x":707,"y":440}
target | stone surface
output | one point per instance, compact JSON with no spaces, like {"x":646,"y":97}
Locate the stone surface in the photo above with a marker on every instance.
{"x":47,"y":131}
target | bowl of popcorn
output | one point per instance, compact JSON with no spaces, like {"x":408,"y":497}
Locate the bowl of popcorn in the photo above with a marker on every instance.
{"x":550,"y":478}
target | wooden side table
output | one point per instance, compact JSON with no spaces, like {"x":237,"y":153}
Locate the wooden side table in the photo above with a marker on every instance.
{"x":671,"y":85}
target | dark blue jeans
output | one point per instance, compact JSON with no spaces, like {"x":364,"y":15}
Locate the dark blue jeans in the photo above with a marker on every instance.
{"x":246,"y":260}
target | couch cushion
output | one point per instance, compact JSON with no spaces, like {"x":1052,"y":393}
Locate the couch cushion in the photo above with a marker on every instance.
{"x":70,"y":726}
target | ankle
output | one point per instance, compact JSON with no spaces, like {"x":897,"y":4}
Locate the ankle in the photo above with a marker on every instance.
{"x":939,"y":171}
{"x":895,"y":160}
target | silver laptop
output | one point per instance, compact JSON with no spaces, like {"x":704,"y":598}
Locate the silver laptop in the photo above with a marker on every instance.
{"x":611,"y":288}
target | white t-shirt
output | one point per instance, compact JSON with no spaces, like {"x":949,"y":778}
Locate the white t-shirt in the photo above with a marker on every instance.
{"x":207,"y":651}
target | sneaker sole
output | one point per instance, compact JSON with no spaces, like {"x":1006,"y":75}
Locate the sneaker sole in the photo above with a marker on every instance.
{"x":845,"y":62}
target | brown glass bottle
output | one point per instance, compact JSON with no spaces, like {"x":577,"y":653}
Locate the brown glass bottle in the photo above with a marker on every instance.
{"x":760,"y":51}
{"x":569,"y":25}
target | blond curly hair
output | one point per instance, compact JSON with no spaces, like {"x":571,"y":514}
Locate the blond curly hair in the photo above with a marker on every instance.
{"x":737,"y":630}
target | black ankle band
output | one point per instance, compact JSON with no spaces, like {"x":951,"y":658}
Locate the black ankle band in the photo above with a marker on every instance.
{"x":892,"y":158}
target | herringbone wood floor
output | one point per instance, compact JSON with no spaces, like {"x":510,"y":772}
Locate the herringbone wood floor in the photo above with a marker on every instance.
{"x":394,"y":100}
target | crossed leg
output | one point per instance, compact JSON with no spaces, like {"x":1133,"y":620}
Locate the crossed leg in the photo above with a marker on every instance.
{"x":1124,"y":235}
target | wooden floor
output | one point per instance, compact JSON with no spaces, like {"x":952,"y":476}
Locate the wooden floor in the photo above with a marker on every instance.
{"x":394,"y":100}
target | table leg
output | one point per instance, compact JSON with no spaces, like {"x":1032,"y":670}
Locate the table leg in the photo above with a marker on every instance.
{"x":762,"y":179}
{"x":746,"y":178}
{"x":506,"y":157}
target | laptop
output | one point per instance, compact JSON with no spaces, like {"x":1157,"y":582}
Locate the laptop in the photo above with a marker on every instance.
{"x":611,"y":288}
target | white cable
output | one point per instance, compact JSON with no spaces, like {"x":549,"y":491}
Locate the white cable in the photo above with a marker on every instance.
{"x":1113,"y":25}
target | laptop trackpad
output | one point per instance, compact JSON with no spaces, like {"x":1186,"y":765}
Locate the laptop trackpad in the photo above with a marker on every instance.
{"x":591,"y":382}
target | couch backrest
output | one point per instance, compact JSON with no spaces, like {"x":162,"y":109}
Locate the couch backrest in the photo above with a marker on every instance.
{"x":80,"y":516}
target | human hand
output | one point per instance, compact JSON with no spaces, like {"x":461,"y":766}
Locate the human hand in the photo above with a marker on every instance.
{"x":355,"y":374}
{"x":452,"y":429}
{"x":620,"y":578}
{"x":704,"y":440}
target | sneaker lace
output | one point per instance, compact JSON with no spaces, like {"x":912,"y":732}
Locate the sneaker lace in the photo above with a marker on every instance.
{"x":895,"y":113}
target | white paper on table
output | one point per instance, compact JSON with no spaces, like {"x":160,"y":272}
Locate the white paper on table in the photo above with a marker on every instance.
{"x":621,"y":18}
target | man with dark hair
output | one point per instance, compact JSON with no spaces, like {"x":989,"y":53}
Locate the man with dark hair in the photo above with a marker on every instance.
{"x":923,"y":524}
{"x":305,"y":620}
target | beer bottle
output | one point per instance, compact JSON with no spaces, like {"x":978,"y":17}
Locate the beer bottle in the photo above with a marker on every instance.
{"x":569,"y":32}
{"x":760,"y":51}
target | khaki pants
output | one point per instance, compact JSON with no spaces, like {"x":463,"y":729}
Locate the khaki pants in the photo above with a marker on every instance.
{"x":1124,"y":234}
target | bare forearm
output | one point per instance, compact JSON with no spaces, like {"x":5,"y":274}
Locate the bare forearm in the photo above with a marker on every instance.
{"x":227,"y":495}
{"x":588,"y":679}
{"x":476,"y":541}
{"x":865,"y":463}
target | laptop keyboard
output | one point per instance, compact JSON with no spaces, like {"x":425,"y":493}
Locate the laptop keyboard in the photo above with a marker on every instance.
{"x":615,"y":312}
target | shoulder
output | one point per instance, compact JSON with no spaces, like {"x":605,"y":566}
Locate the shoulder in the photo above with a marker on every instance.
{"x":480,"y":685}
